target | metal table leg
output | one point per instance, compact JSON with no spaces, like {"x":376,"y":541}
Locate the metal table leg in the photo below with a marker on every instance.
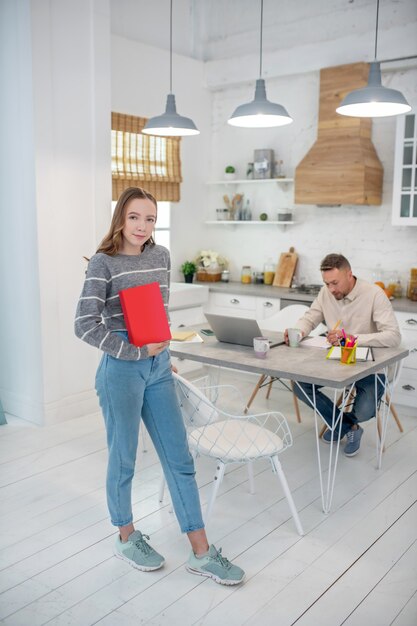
{"x":327,"y":487}
{"x":384,"y":410}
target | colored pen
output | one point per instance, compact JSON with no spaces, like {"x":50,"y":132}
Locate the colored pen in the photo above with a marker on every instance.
{"x":337,"y":324}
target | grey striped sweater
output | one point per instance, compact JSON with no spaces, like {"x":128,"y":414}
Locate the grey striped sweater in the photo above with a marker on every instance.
{"x":99,"y":312}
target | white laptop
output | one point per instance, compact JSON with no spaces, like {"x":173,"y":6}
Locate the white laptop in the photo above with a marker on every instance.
{"x":239,"y":330}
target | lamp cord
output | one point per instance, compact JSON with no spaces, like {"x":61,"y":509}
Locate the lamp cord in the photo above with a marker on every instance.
{"x":170,"y":48}
{"x":260,"y":46}
{"x":376,"y":29}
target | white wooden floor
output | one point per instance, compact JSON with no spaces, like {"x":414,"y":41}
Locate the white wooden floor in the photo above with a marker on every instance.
{"x":356,"y":566}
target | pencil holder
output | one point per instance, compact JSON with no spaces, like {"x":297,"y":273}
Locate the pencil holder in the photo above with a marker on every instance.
{"x":348,"y":355}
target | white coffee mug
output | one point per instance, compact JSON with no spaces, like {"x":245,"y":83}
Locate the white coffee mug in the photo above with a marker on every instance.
{"x":261,"y":346}
{"x":294,"y":337}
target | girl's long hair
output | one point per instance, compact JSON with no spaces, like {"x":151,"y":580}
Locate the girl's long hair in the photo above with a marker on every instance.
{"x":112,"y":241}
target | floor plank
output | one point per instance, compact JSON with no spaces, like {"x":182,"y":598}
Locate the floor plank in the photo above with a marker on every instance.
{"x":56,"y":563}
{"x":396,"y":589}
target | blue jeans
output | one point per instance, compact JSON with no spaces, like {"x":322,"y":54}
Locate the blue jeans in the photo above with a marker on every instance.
{"x":363,"y":407}
{"x":129,"y":390}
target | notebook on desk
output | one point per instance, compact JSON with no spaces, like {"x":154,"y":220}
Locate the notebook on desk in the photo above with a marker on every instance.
{"x":239,"y":330}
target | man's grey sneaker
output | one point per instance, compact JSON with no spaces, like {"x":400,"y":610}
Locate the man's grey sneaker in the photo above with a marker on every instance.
{"x":138,"y":553}
{"x":215,"y":566}
{"x":327,"y":437}
{"x":353,"y":441}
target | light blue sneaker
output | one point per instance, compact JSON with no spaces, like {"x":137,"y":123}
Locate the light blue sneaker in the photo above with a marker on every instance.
{"x":215,"y":566}
{"x":353,"y":441}
{"x":138,"y":553}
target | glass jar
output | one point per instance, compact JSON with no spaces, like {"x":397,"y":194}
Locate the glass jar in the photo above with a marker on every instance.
{"x":391,"y":284}
{"x":225,"y":276}
{"x":378,"y":276}
{"x":269,"y":273}
{"x":412,"y":285}
{"x":246,"y":274}
{"x":398,"y":292}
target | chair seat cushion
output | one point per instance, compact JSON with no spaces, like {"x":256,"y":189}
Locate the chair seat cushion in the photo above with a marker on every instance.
{"x":234,"y":440}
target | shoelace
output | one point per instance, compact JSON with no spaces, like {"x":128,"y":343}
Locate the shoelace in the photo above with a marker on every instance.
{"x":142,"y":545}
{"x":224,"y":562}
{"x":350,"y":435}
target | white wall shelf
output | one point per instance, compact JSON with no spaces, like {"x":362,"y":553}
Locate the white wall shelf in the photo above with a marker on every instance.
{"x":250,"y":181}
{"x":278,"y":186}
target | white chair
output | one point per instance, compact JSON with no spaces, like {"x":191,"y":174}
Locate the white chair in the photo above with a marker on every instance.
{"x":386,"y":399}
{"x":229,"y":438}
{"x":285,"y":318}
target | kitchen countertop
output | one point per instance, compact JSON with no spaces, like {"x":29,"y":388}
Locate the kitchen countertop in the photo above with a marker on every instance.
{"x":268,"y":291}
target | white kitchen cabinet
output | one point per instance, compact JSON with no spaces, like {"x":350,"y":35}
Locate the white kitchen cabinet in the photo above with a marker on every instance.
{"x":265,"y":307}
{"x":253,"y":307}
{"x":233,"y":223}
{"x":231,"y":304}
{"x":406,"y":389}
{"x":186,"y":309}
{"x":258,"y":192}
{"x":186,"y":317}
{"x":404,"y":200}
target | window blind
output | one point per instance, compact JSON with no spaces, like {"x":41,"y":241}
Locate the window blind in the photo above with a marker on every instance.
{"x":144,"y":160}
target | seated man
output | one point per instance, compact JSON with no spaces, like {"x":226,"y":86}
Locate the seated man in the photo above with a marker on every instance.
{"x":364,"y":310}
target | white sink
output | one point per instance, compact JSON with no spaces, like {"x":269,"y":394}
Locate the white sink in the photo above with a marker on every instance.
{"x":187,"y":295}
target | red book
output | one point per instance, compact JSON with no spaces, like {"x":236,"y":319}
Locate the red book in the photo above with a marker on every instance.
{"x":144,"y":312}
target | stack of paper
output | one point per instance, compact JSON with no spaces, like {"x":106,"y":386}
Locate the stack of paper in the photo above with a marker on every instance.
{"x":185,"y":336}
{"x":182,"y":335}
{"x":315,"y":342}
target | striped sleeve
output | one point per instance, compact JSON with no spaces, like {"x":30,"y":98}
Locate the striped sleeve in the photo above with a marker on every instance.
{"x":89,"y":324}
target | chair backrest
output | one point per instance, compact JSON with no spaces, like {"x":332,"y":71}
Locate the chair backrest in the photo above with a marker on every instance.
{"x":232,"y":438}
{"x":196,"y":408}
{"x":285,"y":318}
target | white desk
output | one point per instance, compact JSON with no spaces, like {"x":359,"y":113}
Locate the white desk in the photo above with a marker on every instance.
{"x":306,"y":365}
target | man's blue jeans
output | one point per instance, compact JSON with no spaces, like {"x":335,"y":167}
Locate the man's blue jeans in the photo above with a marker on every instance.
{"x":129,"y":390}
{"x":363,"y":407}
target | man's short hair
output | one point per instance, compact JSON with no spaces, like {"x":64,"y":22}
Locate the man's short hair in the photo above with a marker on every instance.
{"x":334,"y":261}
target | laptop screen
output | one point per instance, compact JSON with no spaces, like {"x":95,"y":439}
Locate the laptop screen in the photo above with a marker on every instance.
{"x":238,"y":330}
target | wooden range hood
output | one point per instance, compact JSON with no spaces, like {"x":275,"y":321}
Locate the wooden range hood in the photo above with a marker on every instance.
{"x":342,"y":167}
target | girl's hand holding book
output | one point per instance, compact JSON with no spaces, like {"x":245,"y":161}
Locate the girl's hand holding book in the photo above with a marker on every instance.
{"x":156,"y":348}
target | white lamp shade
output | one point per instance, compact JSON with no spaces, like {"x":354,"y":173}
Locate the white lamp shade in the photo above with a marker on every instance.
{"x":374,"y":100}
{"x":260,"y":113}
{"x":170,"y":123}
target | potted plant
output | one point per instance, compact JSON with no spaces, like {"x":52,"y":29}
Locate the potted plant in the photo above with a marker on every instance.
{"x":229,"y":172}
{"x":188,"y":269}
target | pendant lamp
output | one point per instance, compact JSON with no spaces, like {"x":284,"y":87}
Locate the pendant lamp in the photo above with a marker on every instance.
{"x":374,"y":100}
{"x":260,"y":113}
{"x":170,"y":123}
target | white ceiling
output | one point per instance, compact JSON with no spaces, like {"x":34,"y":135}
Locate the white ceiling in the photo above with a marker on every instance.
{"x":212,"y":30}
